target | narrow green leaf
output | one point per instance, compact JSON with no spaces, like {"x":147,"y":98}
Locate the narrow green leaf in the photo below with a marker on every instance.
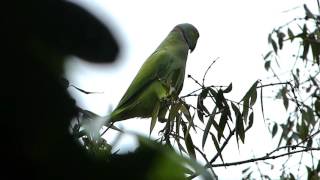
{"x":318,"y":166}
{"x":228,"y":89}
{"x":267,"y":65}
{"x":273,"y":44}
{"x":201,"y":109}
{"x":253,"y":97}
{"x":296,"y":80}
{"x":315,"y":47}
{"x":245,"y":170}
{"x":267,"y":55}
{"x":290,"y":34}
{"x":240,"y":129}
{"x":216,"y":145}
{"x":188,"y":140}
{"x":309,"y":14}
{"x":154,"y":116}
{"x":285,"y":98}
{"x":292,"y":177}
{"x":274,"y":130}
{"x":317,"y":105}
{"x":311,"y":118}
{"x":208,"y":126}
{"x":261,"y":102}
{"x":185,"y":111}
{"x":309,"y":143}
{"x":174,"y":111}
{"x":245,"y":108}
{"x":280,"y":36}
{"x":250,"y":121}
{"x":306,"y":46}
{"x":222,"y":124}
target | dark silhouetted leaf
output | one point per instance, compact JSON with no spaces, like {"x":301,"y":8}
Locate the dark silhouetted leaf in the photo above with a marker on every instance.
{"x":280,"y":36}
{"x":240,"y":129}
{"x":188,"y":140}
{"x":302,"y":130}
{"x":228,"y":89}
{"x":185,"y":112}
{"x":310,"y":115}
{"x":290,"y":34}
{"x":274,"y":130}
{"x":284,"y":97}
{"x":216,"y":145}
{"x":309,"y":143}
{"x":261,"y":102}
{"x":309,"y":14}
{"x":210,"y":122}
{"x":267,"y":55}
{"x":273,"y":44}
{"x":174,"y":111}
{"x":317,"y":105}
{"x":249,"y":97}
{"x":250,"y":120}
{"x":296,"y":80}
{"x":222,"y":124}
{"x":200,"y":106}
{"x":267,"y":65}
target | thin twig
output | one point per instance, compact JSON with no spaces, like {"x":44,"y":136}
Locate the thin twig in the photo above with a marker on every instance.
{"x":204,"y":76}
{"x":264,"y":158}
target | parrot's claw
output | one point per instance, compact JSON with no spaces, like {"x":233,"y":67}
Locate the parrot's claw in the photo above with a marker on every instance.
{"x":172,"y":90}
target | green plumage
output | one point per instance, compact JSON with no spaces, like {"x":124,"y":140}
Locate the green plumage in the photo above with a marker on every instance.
{"x":161,"y":74}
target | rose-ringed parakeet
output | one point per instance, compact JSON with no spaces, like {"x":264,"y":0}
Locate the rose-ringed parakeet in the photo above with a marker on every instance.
{"x":161,"y":75}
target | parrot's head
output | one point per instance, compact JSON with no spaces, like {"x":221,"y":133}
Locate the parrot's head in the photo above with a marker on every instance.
{"x":190,"y":34}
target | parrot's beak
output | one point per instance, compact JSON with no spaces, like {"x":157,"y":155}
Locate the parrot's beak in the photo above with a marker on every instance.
{"x":192,"y":48}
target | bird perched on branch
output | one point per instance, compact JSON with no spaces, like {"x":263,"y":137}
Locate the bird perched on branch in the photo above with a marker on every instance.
{"x":160,"y":77}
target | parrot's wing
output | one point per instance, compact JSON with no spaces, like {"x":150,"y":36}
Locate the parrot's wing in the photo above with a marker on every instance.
{"x":157,"y":66}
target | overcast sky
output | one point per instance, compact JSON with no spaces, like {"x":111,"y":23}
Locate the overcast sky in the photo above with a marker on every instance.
{"x":235,"y":31}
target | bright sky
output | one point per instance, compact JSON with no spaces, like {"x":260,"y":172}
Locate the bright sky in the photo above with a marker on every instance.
{"x":236,"y":31}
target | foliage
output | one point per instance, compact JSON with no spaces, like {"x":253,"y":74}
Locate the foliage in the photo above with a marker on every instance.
{"x":218,"y":119}
{"x":299,"y":87}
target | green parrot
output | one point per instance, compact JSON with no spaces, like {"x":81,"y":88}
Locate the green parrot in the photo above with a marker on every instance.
{"x":161,"y":75}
